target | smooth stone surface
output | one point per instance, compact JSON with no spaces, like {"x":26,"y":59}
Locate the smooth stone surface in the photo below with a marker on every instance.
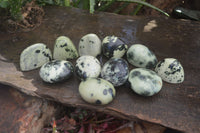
{"x":170,"y":70}
{"x":87,"y":66}
{"x":97,"y":91}
{"x":113,"y":47}
{"x":140,"y":56}
{"x":34,"y":56}
{"x":56,"y":71}
{"x":90,"y":44}
{"x":115,"y":71}
{"x":145,"y":82}
{"x":64,"y":49}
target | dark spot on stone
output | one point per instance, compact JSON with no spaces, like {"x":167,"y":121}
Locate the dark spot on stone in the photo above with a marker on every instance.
{"x":91,"y":94}
{"x":91,"y":41}
{"x":84,"y":75}
{"x":160,"y":63}
{"x":88,"y":64}
{"x":145,"y":93}
{"x":167,"y":73}
{"x":105,"y":91}
{"x":142,"y":77}
{"x":150,"y":64}
{"x":35,"y":65}
{"x":37,"y":51}
{"x":82,"y":64}
{"x":135,"y":73}
{"x":141,"y":63}
{"x":63,"y":45}
{"x":179,"y":80}
{"x":82,"y":40}
{"x":110,"y":90}
{"x":67,"y":50}
{"x":52,"y":80}
{"x":130,"y":55}
{"x":98,"y":102}
{"x":46,"y":47}
{"x":46,"y":55}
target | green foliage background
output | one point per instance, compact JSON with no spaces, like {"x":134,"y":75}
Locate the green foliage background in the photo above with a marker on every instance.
{"x":13,"y":7}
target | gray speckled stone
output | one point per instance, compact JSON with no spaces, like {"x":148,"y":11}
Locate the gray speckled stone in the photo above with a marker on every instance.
{"x":87,"y":66}
{"x":34,"y":56}
{"x":170,"y":70}
{"x":145,"y":82}
{"x":97,"y":91}
{"x":140,"y":56}
{"x":90,"y":44}
{"x":64,"y":49}
{"x":56,"y":71}
{"x":115,"y":71}
{"x":113,"y":47}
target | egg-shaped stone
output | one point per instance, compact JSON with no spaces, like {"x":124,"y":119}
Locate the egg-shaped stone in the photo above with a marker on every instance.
{"x":145,"y":82}
{"x":170,"y":70}
{"x":140,"y":56}
{"x":56,"y":71}
{"x":64,"y":49}
{"x":90,"y":44}
{"x":113,"y":47}
{"x":97,"y":91}
{"x":34,"y":56}
{"x":87,"y":66}
{"x":115,"y":71}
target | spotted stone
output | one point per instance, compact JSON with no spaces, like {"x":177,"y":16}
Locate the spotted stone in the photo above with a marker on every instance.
{"x":34,"y":56}
{"x":115,"y":71}
{"x":145,"y":82}
{"x":170,"y":70}
{"x":64,"y":49}
{"x":103,"y":92}
{"x":90,"y":44}
{"x":56,"y":71}
{"x":87,"y":66}
{"x":113,"y":47}
{"x":140,"y":56}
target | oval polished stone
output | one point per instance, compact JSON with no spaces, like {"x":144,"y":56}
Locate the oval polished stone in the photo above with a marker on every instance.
{"x":64,"y":49}
{"x":170,"y":70}
{"x":34,"y":56}
{"x":113,"y":47}
{"x":140,"y":56}
{"x":56,"y":71}
{"x":97,"y":91}
{"x":87,"y":66}
{"x":144,"y":82}
{"x":115,"y":71}
{"x":90,"y":44}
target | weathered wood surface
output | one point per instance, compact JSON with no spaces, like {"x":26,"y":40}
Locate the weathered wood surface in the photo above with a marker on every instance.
{"x":176,"y":106}
{"x":21,"y":113}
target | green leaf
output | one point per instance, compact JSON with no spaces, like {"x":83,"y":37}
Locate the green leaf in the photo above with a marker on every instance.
{"x":92,"y":4}
{"x":139,"y":6}
{"x":4,"y":3}
{"x":67,"y":2}
{"x":143,"y":3}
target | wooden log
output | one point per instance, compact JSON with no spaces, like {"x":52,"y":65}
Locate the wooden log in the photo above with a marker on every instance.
{"x":21,"y":113}
{"x":176,"y":106}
